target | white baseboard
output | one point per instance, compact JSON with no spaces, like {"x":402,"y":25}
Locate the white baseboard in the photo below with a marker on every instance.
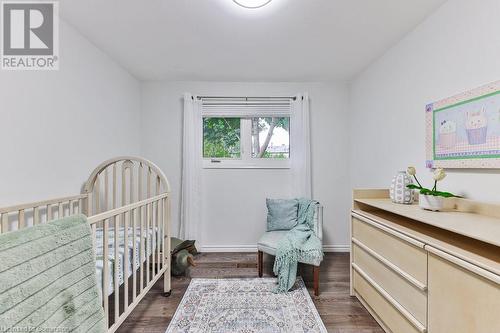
{"x":228,"y":248}
{"x":253,"y":248}
{"x":336,"y":248}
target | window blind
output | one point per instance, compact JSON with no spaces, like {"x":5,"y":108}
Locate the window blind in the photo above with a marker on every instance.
{"x":246,"y":107}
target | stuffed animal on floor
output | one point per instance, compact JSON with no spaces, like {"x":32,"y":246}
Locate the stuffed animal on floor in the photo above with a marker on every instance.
{"x":183,"y":252}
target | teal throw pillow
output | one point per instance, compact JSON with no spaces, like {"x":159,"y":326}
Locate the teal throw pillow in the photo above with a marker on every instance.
{"x":281,"y":214}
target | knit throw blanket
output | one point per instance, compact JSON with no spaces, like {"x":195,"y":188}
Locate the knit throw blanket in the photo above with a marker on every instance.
{"x":48,"y":279}
{"x":299,"y":243}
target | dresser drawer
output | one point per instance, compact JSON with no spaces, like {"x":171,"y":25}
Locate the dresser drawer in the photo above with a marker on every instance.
{"x":404,"y":252}
{"x":408,"y":293}
{"x":462,"y":298}
{"x":391,"y":317}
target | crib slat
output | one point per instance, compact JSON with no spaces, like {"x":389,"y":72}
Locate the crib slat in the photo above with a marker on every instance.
{"x":163,"y":241}
{"x":166,"y":276}
{"x":131,"y":185}
{"x":5,"y":222}
{"x":156,"y":223}
{"x":61,"y":210}
{"x":157,"y":239}
{"x":161,"y":213}
{"x":149,"y":183}
{"x":21,"y":223}
{"x":36,"y":215}
{"x":166,"y":235}
{"x":141,"y":245}
{"x":148,"y":242}
{"x":105,"y":270}
{"x":126,"y":255}
{"x":134,"y":254}
{"x":114,"y":185}
{"x":116,"y":267}
{"x":70,"y":207}
{"x":106,"y":188}
{"x":158,"y":182}
{"x":89,"y":204}
{"x":1,"y":224}
{"x":162,"y":234}
{"x":49,"y":213}
{"x":97,"y":190}
{"x":124,"y":184}
{"x":153,"y":238}
{"x":159,"y":234}
{"x":139,"y":182}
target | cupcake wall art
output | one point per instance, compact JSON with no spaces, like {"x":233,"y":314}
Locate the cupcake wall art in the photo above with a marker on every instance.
{"x":463,"y":131}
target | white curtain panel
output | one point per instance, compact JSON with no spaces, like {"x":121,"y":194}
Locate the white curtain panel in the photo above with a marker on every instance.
{"x":191,"y":169}
{"x":300,"y":147}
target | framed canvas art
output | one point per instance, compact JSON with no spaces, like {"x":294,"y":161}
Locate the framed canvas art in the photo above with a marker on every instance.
{"x":463,"y":131}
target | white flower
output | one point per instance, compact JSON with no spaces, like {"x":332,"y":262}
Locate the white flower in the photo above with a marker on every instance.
{"x":439,"y":174}
{"x":411,"y":171}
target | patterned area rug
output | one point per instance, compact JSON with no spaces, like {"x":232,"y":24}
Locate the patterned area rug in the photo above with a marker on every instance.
{"x":245,"y":306}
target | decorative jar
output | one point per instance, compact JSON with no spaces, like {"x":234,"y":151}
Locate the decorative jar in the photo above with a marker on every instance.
{"x":399,"y":193}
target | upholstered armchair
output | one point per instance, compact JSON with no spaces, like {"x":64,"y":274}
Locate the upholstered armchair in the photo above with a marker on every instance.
{"x":269,"y":241}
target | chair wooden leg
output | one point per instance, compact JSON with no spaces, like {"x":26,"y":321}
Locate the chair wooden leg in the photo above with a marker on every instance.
{"x":260,"y":256}
{"x":316,"y":280}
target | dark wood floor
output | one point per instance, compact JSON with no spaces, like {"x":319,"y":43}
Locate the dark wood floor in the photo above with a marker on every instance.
{"x":340,"y":312}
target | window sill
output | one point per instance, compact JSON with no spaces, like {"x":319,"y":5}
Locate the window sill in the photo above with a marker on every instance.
{"x":240,"y":164}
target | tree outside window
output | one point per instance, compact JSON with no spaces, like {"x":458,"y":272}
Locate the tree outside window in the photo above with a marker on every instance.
{"x":263,"y":137}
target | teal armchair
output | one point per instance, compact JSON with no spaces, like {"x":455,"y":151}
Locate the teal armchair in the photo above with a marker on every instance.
{"x":269,"y":242}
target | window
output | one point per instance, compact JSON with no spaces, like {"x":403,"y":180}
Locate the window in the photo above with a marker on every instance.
{"x":221,"y":138}
{"x":246,"y":132}
{"x":271,"y":137}
{"x":258,"y":142}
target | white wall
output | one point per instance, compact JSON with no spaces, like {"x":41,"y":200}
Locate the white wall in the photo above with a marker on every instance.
{"x":56,"y":126}
{"x":457,"y":48}
{"x":232,"y":221}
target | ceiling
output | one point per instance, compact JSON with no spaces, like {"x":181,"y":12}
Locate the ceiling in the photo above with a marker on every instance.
{"x":287,"y":40}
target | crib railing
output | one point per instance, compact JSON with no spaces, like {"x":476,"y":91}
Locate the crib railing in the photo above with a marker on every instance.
{"x":29,"y":214}
{"x":151,"y":243}
{"x":149,"y":221}
{"x":121,"y":181}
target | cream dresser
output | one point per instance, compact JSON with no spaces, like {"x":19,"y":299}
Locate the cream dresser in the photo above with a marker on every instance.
{"x":420,"y":271}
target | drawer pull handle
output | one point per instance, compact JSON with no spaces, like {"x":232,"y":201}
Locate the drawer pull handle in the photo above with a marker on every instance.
{"x":391,"y":266}
{"x":418,"y":325}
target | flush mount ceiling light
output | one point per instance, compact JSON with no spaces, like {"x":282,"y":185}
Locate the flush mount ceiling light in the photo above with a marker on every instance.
{"x":252,"y":4}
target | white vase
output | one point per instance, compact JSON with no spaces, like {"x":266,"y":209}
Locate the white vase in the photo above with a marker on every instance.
{"x":399,"y":193}
{"x":431,"y":202}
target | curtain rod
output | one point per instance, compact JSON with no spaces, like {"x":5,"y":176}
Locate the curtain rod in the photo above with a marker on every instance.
{"x":247,"y":97}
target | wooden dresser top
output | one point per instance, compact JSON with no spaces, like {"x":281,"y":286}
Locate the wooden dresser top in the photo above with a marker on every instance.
{"x":472,"y":223}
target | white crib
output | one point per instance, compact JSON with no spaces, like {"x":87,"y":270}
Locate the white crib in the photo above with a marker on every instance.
{"x":127,"y":201}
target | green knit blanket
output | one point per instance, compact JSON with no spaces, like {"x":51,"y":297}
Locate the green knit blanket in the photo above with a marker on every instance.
{"x":48,"y":279}
{"x":298,"y":244}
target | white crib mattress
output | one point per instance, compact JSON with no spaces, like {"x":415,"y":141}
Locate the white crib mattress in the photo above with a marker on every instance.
{"x":123,"y":250}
